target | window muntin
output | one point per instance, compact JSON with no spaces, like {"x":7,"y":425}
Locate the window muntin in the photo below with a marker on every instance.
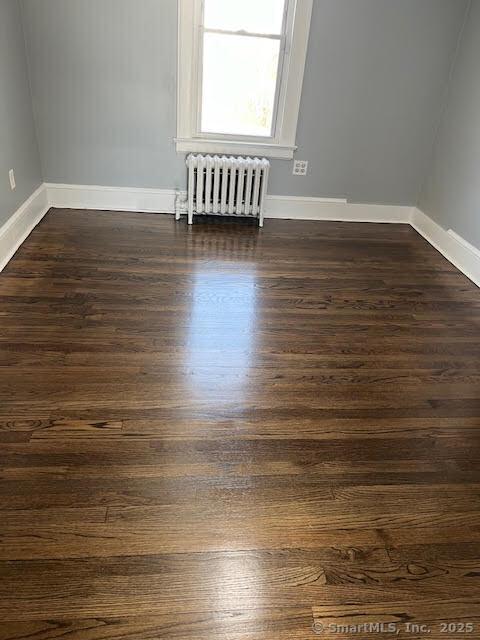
{"x":252,"y":16}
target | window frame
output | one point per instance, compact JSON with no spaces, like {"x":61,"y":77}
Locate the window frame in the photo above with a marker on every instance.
{"x":293,"y":49}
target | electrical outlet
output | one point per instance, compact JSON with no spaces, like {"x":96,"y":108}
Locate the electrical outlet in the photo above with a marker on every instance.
{"x":11,"y":176}
{"x":300,"y":167}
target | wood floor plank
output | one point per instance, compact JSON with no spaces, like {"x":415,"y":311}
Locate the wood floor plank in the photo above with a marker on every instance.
{"x":210,"y":581}
{"x":257,"y":624}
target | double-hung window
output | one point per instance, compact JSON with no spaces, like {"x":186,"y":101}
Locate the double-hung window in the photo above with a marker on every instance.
{"x":240,"y":75}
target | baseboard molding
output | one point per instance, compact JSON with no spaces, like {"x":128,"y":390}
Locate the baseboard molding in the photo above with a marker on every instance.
{"x":163,"y":201}
{"x":73,"y":196}
{"x":300,"y":208}
{"x":19,"y":226}
{"x":453,"y":247}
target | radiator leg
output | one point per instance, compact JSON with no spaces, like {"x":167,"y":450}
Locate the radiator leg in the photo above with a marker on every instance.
{"x":191,"y":163}
{"x":263,"y":193}
{"x":190,"y":206}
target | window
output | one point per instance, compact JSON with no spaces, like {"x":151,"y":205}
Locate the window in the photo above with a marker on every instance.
{"x":240,"y":75}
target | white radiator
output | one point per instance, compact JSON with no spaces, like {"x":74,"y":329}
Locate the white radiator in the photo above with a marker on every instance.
{"x":227,"y":186}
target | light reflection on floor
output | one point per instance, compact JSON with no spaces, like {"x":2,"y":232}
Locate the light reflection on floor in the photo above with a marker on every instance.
{"x":222,"y":331}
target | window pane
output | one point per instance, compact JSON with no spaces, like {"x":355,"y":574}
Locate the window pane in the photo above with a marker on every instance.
{"x":239,"y":82}
{"x":255,"y":16}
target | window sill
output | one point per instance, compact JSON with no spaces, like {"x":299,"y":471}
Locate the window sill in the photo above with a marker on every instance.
{"x":202,"y":145}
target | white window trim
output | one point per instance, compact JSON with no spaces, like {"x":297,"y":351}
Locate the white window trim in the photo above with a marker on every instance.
{"x":282,"y":144}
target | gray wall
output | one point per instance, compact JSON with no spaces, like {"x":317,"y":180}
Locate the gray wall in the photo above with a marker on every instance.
{"x":452,"y":191}
{"x":18,"y":145}
{"x":373,"y":88}
{"x":104,"y":80}
{"x":103,"y":74}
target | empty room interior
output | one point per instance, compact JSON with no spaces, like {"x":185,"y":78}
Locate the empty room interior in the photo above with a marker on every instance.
{"x":239,"y":319}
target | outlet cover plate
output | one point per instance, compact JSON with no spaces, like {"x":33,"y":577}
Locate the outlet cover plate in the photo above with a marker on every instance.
{"x":300,"y":167}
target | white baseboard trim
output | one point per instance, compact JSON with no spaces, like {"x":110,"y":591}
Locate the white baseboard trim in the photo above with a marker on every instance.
{"x":300,"y":208}
{"x":163,"y":201}
{"x":19,"y":226}
{"x":75,"y":196}
{"x":453,"y":247}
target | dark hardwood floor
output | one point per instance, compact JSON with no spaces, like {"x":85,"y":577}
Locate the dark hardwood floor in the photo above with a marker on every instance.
{"x":221,"y":432}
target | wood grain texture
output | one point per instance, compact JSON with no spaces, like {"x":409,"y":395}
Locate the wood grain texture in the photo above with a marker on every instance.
{"x":226,"y":432}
